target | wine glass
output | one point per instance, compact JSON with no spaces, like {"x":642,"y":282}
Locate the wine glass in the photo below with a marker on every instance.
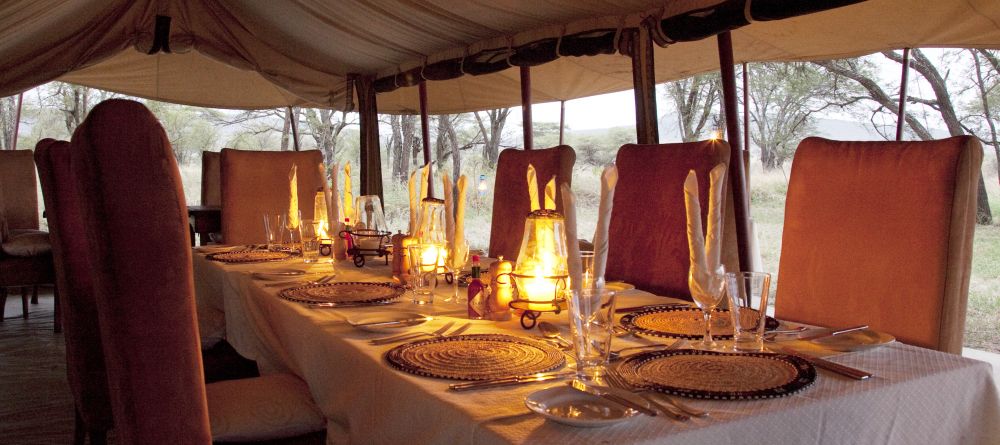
{"x":707,"y":294}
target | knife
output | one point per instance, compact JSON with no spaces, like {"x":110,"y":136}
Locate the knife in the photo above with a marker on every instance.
{"x":393,"y":322}
{"x":830,"y":332}
{"x":511,"y":381}
{"x":605,"y":394}
{"x":624,"y":310}
{"x":843,"y":370}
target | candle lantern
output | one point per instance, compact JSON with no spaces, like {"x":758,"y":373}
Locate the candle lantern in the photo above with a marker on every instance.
{"x":322,"y":222}
{"x":370,"y":234}
{"x":542,"y":272}
{"x":431,"y":229}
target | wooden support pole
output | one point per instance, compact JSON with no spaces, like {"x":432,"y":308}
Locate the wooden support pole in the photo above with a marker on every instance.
{"x":371,"y":153}
{"x":644,"y":86}
{"x":17,"y":120}
{"x":528,"y":124}
{"x":425,"y":132}
{"x":901,"y":115}
{"x":292,"y":118}
{"x":737,"y":177}
{"x":562,"y":119}
{"x":746,"y":123}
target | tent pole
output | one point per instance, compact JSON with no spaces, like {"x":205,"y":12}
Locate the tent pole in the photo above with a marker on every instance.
{"x":527,"y":123}
{"x":425,"y":131}
{"x":746,"y":123}
{"x":371,"y":154}
{"x":17,"y":119}
{"x":562,"y":119}
{"x":901,"y":115}
{"x":295,"y":127}
{"x":644,"y":87}
{"x":737,"y":176}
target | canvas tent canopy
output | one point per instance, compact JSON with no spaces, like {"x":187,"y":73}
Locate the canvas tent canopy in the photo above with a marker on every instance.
{"x":264,"y":54}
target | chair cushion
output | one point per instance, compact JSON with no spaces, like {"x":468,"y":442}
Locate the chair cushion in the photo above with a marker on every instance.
{"x":262,"y":408}
{"x":25,"y":243}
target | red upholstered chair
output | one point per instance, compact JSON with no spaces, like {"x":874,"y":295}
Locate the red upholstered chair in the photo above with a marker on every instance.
{"x":84,"y":357}
{"x":647,"y":238}
{"x":25,"y":252}
{"x":138,"y":250}
{"x":510,"y":192}
{"x":256,"y":182}
{"x":880,"y":233}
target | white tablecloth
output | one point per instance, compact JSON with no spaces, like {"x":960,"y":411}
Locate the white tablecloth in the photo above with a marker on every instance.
{"x":916,"y":396}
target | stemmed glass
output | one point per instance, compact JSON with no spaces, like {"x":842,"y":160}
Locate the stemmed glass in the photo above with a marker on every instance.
{"x":707,"y":295}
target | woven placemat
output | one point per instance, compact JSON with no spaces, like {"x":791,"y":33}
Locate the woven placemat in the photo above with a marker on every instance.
{"x":686,"y":322}
{"x":475,"y":357}
{"x":348,"y":292}
{"x":248,"y":256}
{"x":718,"y":375}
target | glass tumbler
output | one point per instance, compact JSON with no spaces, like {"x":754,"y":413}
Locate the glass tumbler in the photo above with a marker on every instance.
{"x":748,"y":297}
{"x":592,"y":319}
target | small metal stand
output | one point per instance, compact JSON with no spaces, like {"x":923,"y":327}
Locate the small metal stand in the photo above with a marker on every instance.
{"x":533,"y":309}
{"x":358,"y":253}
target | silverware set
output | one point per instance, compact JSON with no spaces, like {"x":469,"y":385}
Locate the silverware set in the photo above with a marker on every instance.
{"x":320,"y":280}
{"x":440,"y":333}
{"x":511,"y":381}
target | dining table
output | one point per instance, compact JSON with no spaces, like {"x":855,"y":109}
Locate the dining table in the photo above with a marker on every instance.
{"x":916,"y":395}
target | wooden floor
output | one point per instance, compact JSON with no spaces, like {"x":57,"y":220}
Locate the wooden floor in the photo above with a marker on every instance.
{"x":35,"y":403}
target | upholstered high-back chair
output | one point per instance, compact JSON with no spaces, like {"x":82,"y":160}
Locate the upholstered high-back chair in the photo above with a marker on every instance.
{"x":647,"y":238}
{"x":25,"y":252}
{"x":211,"y":180}
{"x":139,"y":254}
{"x":84,"y":358}
{"x":510,"y":192}
{"x":256,"y":182}
{"x":880,"y":233}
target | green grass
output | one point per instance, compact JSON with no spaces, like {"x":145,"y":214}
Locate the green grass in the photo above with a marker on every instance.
{"x":982,"y":327}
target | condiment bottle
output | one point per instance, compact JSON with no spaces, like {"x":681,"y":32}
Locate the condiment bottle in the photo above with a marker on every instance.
{"x":347,"y":235}
{"x":477,"y":296}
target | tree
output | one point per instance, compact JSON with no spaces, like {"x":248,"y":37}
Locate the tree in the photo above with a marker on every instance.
{"x":696,"y":99}
{"x":988,"y":88}
{"x":325,"y":128}
{"x":783,"y":97}
{"x":8,"y":114}
{"x":491,"y":138}
{"x":188,"y":128}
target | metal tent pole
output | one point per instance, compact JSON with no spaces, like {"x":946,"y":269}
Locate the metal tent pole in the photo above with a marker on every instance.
{"x":425,"y":131}
{"x":295,"y":127}
{"x":562,"y":119}
{"x":644,"y":87}
{"x":737,"y":174}
{"x":17,"y":120}
{"x":527,"y":122}
{"x":901,"y":115}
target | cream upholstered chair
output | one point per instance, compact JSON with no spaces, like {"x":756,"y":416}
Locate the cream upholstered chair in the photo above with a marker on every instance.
{"x":880,"y":233}
{"x":510,"y":192}
{"x":256,"y":182}
{"x":140,"y":260}
{"x":647,"y":238}
{"x":25,"y":251}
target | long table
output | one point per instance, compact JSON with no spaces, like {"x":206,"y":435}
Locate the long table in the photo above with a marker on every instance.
{"x":916,"y":396}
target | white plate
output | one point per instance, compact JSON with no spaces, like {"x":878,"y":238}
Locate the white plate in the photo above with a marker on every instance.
{"x":568,"y":406}
{"x":618,"y":286}
{"x":359,"y":320}
{"x":278,"y":274}
{"x":855,"y":341}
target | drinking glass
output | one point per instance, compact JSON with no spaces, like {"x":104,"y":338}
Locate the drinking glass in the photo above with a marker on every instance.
{"x":424,"y":260}
{"x":748,"y":295}
{"x":587,"y":267}
{"x":707,"y":295}
{"x":290,"y":234}
{"x":591,"y":314}
{"x":272,"y":230}
{"x":310,"y":230}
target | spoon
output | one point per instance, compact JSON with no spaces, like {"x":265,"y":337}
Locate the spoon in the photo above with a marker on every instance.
{"x":549,"y":330}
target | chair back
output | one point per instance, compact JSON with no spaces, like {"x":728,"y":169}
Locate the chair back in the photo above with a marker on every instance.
{"x":510,"y":192}
{"x":85,"y":368}
{"x":19,"y":190}
{"x":880,"y":233}
{"x":135,"y":221}
{"x":647,"y":238}
{"x":211,"y":183}
{"x":256,"y":182}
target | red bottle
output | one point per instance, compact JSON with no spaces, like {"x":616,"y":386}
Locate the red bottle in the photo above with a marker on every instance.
{"x":476,"y":293}
{"x":348,"y":239}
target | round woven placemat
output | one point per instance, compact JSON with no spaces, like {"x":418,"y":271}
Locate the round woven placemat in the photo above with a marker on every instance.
{"x":348,"y":292}
{"x":686,"y":322}
{"x":248,"y":256}
{"x":475,"y":357}
{"x":718,"y":375}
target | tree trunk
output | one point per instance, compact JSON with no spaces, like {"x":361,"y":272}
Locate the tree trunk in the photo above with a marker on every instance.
{"x":286,"y":126}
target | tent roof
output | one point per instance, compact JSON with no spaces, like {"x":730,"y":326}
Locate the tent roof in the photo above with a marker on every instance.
{"x":261,"y":54}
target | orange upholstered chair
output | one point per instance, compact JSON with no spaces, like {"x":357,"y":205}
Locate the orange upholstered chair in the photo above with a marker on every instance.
{"x":84,"y":357}
{"x":647,"y":238}
{"x":880,"y":233}
{"x":510,"y":193}
{"x":138,"y":250}
{"x":25,"y":252}
{"x":256,"y":182}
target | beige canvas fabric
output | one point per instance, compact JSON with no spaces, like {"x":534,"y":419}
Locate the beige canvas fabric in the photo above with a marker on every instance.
{"x":268,"y":54}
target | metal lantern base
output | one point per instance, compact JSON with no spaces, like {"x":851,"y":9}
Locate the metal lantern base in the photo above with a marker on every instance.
{"x":534,"y":309}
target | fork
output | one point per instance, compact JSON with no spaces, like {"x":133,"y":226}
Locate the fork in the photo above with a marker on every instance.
{"x":395,"y":338}
{"x":321,"y":280}
{"x":684,"y":407}
{"x":617,"y":381}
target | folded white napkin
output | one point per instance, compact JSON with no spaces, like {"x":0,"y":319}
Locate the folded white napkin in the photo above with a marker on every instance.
{"x":550,"y":194}
{"x":336,"y":216}
{"x":292,"y":220}
{"x":414,"y":201}
{"x":533,"y":188}
{"x":424,"y":185}
{"x":449,"y":210}
{"x":326,"y":198}
{"x":609,"y":179}
{"x":348,"y":194}
{"x":461,"y":249}
{"x":705,"y":253}
{"x":573,"y":261}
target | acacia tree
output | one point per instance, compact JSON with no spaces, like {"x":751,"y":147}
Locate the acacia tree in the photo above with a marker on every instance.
{"x":697,"y":99}
{"x":491,"y":138}
{"x":8,"y":115}
{"x":325,"y":128}
{"x":987,"y":84}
